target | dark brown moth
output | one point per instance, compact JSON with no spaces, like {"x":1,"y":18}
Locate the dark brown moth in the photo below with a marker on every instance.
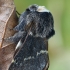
{"x":36,"y":26}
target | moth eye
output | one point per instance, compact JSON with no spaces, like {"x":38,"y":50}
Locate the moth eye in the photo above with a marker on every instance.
{"x":27,"y":10}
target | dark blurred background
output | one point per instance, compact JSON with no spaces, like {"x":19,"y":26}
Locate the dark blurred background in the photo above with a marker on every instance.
{"x":59,"y":44}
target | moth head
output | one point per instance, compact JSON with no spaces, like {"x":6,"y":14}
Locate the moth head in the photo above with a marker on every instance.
{"x":42,"y":20}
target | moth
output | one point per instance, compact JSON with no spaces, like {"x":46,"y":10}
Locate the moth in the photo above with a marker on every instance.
{"x":35,"y":28}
